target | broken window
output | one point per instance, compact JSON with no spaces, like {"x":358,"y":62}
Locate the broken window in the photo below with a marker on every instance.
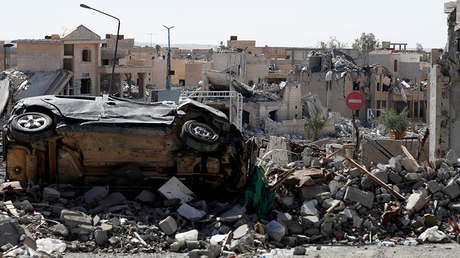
{"x":85,"y":86}
{"x":272,"y":115}
{"x":86,"y":55}
{"x":355,"y":85}
{"x":68,"y":65}
{"x":395,"y":66}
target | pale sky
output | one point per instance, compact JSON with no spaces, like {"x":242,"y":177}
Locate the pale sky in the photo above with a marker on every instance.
{"x":301,"y":23}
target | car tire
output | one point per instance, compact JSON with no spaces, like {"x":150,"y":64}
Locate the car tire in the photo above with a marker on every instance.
{"x":200,"y":136}
{"x":31,"y":126}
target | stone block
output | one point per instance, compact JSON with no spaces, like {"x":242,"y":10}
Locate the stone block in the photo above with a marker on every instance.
{"x":355,"y":195}
{"x":168,"y":225}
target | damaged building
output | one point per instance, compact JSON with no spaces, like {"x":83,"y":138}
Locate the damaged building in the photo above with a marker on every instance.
{"x":444,"y":120}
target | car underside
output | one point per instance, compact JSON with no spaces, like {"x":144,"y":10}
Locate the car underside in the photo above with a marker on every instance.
{"x":105,"y":140}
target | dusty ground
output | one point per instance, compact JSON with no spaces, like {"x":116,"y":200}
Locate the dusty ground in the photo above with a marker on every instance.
{"x":428,"y":250}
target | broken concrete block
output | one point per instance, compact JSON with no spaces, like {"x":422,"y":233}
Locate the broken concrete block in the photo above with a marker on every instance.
{"x":416,"y":202}
{"x":409,"y":165}
{"x":176,"y":246}
{"x":146,"y":196}
{"x":113,"y":199}
{"x":452,"y":189}
{"x":287,"y":200}
{"x":96,"y":194}
{"x":9,"y":231}
{"x":175,"y":189}
{"x":354,"y":172}
{"x":433,"y":186}
{"x":24,"y":205}
{"x":309,"y":208}
{"x":236,"y":210}
{"x":395,"y":178}
{"x":299,"y":250}
{"x":284,"y":218}
{"x":311,"y":192}
{"x":50,"y":194}
{"x":311,"y":220}
{"x":355,"y":195}
{"x":101,"y":237}
{"x":50,"y":246}
{"x":168,"y":225}
{"x":413,"y":177}
{"x":275,"y":230}
{"x":395,"y":164}
{"x":451,"y":157}
{"x":334,"y":186}
{"x":214,"y":251}
{"x":191,"y":235}
{"x":190,"y":212}
{"x":60,"y":229}
{"x":77,"y":222}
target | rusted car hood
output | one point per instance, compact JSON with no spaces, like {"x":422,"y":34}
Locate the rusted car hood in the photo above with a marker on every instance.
{"x":104,"y":109}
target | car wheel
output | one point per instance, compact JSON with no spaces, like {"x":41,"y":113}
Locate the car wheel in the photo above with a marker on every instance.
{"x":199,"y":136}
{"x":31,"y":126}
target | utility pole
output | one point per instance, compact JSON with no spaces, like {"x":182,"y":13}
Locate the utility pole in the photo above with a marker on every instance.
{"x":168,"y":75}
{"x":116,"y":47}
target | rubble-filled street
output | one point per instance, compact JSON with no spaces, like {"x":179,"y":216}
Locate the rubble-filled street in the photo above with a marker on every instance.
{"x":339,"y":143}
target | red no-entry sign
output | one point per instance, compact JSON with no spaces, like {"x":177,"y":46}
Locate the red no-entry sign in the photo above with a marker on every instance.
{"x":355,"y":100}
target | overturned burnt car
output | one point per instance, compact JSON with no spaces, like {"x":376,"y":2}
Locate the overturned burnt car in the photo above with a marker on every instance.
{"x":108,"y":140}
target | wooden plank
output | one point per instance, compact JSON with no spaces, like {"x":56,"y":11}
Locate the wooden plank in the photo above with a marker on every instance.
{"x":9,"y":205}
{"x":409,"y":156}
{"x":376,"y":179}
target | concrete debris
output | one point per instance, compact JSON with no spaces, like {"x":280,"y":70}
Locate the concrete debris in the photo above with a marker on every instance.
{"x":190,"y":212}
{"x":96,"y":194}
{"x":355,"y":195}
{"x":168,"y":225}
{"x":50,"y":245}
{"x":451,"y":157}
{"x":175,"y":189}
{"x":416,"y":202}
{"x":336,"y":202}
{"x":51,"y":194}
{"x":275,"y":230}
{"x":191,"y":235}
{"x":146,"y":197}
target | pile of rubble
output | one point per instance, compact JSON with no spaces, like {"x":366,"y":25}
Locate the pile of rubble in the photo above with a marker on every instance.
{"x":297,"y":195}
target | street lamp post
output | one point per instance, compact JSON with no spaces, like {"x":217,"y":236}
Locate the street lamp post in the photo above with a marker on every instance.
{"x":116,"y":45}
{"x":5,"y":46}
{"x":168,"y":76}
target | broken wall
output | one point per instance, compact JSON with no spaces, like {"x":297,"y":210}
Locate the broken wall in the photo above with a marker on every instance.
{"x":40,"y":55}
{"x":315,"y":83}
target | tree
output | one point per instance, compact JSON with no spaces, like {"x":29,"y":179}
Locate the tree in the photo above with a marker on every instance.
{"x":394,"y":121}
{"x":316,"y":123}
{"x":332,"y":43}
{"x":426,"y":56}
{"x":365,"y":44}
{"x":419,"y":48}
